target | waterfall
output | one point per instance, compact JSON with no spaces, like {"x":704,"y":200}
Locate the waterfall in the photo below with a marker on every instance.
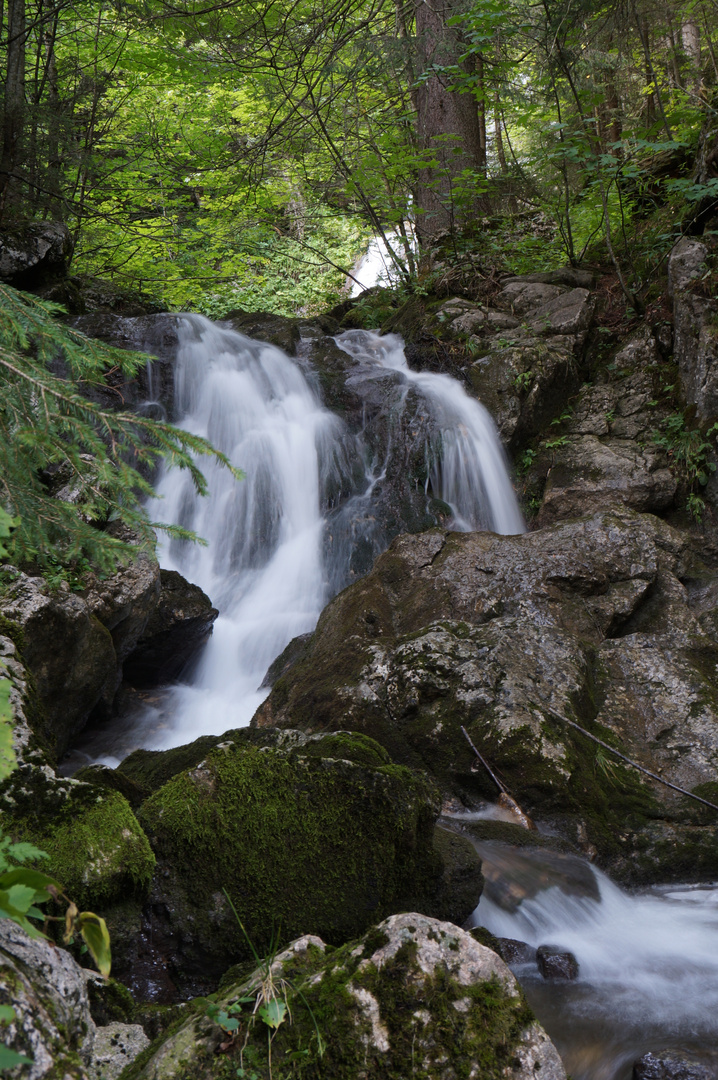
{"x":268,"y":565}
{"x":468,"y":467}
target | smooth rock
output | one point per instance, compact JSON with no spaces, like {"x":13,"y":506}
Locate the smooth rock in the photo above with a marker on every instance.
{"x":671,"y":1065}
{"x":517,"y":952}
{"x":569,"y":313}
{"x":556,"y":963}
{"x":521,"y":297}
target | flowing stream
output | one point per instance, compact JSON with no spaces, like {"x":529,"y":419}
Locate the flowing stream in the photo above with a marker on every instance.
{"x":648,"y":963}
{"x":267,"y":565}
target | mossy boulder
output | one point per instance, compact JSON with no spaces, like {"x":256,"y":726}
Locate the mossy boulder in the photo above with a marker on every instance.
{"x":605,"y":622}
{"x":319,"y":835}
{"x":413,"y":997}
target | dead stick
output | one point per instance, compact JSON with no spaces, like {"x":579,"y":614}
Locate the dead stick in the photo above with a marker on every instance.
{"x":633,"y":764}
{"x":484,"y":762}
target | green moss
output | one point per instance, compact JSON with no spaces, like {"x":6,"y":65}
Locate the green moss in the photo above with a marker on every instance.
{"x":110,"y":1002}
{"x":97,"y":849}
{"x":349,"y":746}
{"x":305,"y":844}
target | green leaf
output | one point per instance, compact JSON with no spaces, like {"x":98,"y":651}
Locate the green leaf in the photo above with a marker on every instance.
{"x":273,"y":1012}
{"x":97,"y":938}
{"x":9,"y":1058}
{"x":7,"y":1014}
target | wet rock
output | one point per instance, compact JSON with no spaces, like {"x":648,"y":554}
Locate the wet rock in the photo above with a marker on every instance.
{"x":265,"y":326}
{"x":555,"y":963}
{"x":299,"y":835}
{"x":587,"y":620}
{"x":695,"y":327}
{"x":671,"y":1065}
{"x":32,"y":255}
{"x":458,"y":891}
{"x":516,"y":952}
{"x":176,"y":630}
{"x":353,"y":991}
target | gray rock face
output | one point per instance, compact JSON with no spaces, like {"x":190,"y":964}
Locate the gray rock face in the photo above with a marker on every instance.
{"x":34,"y":254}
{"x":176,"y":629}
{"x":417,"y":953}
{"x":599,"y":620}
{"x":52,"y":1024}
{"x":696,"y":327}
{"x":74,"y":645}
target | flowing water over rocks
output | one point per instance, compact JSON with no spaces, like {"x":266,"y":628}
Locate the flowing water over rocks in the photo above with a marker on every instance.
{"x":283,"y":540}
{"x":648,"y":963}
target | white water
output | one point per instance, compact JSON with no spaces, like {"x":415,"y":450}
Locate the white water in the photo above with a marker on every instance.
{"x":468,"y":468}
{"x":377,"y":267}
{"x":648,"y":963}
{"x":265,"y":566}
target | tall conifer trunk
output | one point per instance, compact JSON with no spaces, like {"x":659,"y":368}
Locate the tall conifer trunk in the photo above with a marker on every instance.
{"x":13,"y":118}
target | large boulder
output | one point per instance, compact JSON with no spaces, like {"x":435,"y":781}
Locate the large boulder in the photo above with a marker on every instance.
{"x":176,"y":630}
{"x":52,"y":1023}
{"x":73,"y":645}
{"x":513,"y":636}
{"x":414,"y":996}
{"x":31,"y":255}
{"x":322,"y":834}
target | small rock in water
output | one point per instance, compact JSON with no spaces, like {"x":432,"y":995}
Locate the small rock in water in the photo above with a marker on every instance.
{"x":671,"y":1065}
{"x":556,"y":963}
{"x":516,"y":952}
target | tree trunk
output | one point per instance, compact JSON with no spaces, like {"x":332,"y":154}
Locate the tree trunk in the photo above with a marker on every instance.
{"x":13,"y":118}
{"x":448,"y":127}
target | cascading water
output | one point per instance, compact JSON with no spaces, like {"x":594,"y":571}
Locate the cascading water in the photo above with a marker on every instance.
{"x":648,"y":963}
{"x":267,"y":565}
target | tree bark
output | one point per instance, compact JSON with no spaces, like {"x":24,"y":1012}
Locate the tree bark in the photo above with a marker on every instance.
{"x":13,"y":119}
{"x":448,"y":126}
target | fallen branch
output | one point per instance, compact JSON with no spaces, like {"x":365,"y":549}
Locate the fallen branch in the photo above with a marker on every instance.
{"x":501,"y":786}
{"x":618,"y":754}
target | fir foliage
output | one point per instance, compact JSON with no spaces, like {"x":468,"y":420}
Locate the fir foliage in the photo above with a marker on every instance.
{"x":46,"y":420}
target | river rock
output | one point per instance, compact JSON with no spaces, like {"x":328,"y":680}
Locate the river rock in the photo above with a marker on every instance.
{"x":516,"y":952}
{"x":477,"y":1025}
{"x":556,"y":963}
{"x":176,"y":630}
{"x":695,"y":327}
{"x":74,"y":645}
{"x":507,"y":635}
{"x":671,"y":1065}
{"x":321,"y":834}
{"x":52,"y":1024}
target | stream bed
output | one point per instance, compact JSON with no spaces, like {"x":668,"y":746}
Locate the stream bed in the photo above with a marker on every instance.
{"x":648,"y":961}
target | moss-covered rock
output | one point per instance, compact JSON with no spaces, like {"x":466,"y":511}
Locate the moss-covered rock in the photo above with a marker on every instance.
{"x":414,"y":997}
{"x":301,"y":837}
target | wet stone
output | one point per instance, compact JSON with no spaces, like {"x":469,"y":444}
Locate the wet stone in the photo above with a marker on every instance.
{"x":516,"y":952}
{"x":556,"y":963}
{"x":671,"y":1065}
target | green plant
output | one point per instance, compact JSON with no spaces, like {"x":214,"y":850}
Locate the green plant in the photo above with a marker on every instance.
{"x":266,"y":1000}
{"x":523,"y":381}
{"x":47,"y":420}
{"x":689,"y":450}
{"x":526,"y":461}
